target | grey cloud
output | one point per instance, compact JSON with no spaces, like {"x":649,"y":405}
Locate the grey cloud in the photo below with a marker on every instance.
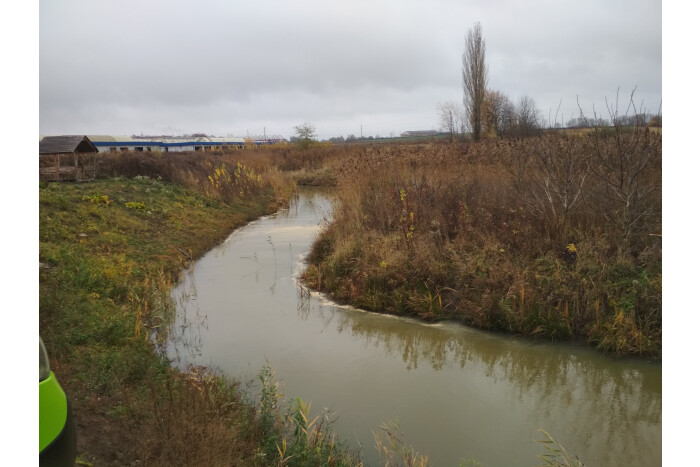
{"x":214,"y":65}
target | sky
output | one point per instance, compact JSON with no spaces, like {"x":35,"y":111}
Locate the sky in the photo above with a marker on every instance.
{"x":368,"y":68}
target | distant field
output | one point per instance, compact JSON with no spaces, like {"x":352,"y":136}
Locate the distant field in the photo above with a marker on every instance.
{"x":465,"y":137}
{"x":584,"y":131}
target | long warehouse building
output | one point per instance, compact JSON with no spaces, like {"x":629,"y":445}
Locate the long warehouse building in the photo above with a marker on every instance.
{"x":108,"y":143}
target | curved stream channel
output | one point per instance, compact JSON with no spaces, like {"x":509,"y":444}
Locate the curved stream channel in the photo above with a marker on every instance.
{"x":455,"y":392}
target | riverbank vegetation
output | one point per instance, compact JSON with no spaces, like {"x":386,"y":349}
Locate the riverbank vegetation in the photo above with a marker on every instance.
{"x":438,"y":231}
{"x":109,"y":251}
{"x":556,"y":236}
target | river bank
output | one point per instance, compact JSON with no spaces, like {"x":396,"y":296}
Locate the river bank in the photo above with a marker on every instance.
{"x":546,"y":237}
{"x":109,"y":252}
{"x":241,"y":307}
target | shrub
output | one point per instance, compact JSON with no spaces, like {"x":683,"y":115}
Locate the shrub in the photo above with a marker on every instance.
{"x":520,"y":236}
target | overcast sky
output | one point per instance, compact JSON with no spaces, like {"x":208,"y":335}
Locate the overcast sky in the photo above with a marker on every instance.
{"x":376,"y":67}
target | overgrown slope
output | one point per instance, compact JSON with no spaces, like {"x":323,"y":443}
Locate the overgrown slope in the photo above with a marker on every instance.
{"x":557,"y":237}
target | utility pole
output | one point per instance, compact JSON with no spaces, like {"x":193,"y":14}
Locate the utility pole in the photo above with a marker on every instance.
{"x":360,"y":130}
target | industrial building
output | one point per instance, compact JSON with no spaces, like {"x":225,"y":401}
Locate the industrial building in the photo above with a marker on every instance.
{"x":408,"y":134}
{"x":109,"y":143}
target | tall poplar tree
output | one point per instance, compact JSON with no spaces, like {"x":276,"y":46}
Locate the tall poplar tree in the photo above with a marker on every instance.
{"x":474,"y":78}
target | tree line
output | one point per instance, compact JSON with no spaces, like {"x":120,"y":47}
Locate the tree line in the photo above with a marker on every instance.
{"x":488,"y":112}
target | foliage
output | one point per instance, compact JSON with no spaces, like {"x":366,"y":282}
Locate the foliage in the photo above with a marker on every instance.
{"x":242,"y":182}
{"x":393,"y":451}
{"x":106,"y":270}
{"x":135,"y":205}
{"x":97,"y":198}
{"x":293,"y":437}
{"x":305,"y":135}
{"x":500,"y":235}
{"x":232,"y":176}
{"x":498,"y":113}
{"x":556,"y":455}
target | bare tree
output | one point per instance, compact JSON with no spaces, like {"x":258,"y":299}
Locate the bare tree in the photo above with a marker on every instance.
{"x":626,"y":192}
{"x":449,"y":117}
{"x":551,"y":173}
{"x":474,"y":78}
{"x":527,"y":117}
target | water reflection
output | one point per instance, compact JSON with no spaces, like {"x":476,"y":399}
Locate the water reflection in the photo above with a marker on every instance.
{"x":458,"y":392}
{"x":616,"y":404}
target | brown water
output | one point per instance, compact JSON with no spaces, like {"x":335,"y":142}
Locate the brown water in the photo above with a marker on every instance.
{"x":455,"y":392}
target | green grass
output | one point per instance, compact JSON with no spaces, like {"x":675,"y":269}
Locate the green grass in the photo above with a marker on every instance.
{"x":109,"y":251}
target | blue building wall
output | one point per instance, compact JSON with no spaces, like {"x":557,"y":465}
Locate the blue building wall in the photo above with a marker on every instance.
{"x":180,"y":146}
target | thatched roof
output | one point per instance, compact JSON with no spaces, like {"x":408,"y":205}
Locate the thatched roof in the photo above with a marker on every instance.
{"x":66,"y":145}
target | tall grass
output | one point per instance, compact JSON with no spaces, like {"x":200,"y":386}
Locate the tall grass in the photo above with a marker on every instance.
{"x":543,"y":236}
{"x":393,"y":450}
{"x":292,"y":436}
{"x":556,"y":454}
{"x":227,"y":176}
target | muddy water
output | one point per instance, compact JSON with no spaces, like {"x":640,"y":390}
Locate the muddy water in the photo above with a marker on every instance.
{"x":455,"y":392}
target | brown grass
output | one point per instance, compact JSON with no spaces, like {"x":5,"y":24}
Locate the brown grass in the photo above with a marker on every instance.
{"x":199,"y":420}
{"x":551,"y":236}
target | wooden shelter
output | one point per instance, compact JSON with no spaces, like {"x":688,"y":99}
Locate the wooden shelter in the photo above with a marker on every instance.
{"x":67,"y":158}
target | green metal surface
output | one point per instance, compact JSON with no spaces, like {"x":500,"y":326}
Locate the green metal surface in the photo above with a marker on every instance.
{"x":53,"y":410}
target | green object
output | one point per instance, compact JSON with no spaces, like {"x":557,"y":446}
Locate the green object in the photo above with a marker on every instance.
{"x":57,"y":435}
{"x":53,"y":411}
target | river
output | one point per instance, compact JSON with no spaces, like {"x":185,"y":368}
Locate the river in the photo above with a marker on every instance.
{"x":455,"y":392}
